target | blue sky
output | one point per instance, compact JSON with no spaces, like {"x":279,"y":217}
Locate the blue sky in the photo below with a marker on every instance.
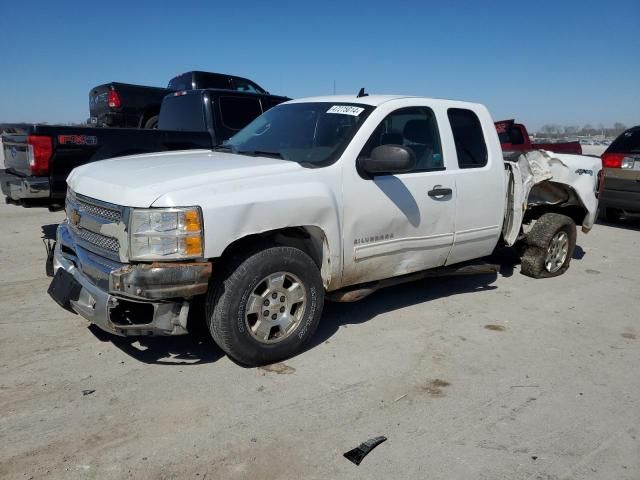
{"x":565,"y":62}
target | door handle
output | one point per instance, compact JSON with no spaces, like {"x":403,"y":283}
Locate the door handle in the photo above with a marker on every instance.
{"x":439,"y":191}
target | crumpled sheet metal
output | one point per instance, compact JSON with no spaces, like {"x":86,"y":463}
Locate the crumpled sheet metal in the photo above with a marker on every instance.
{"x":535,"y":167}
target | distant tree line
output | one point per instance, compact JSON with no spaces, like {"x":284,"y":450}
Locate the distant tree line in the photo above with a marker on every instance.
{"x":553,"y":130}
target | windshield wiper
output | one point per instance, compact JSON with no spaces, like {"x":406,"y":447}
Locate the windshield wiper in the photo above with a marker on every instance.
{"x":261,"y":153}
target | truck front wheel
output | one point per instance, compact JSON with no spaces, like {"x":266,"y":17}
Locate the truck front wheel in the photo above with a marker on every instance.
{"x":549,"y":246}
{"x":266,"y":305}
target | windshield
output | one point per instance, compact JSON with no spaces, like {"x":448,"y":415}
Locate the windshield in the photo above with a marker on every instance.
{"x":315,"y":133}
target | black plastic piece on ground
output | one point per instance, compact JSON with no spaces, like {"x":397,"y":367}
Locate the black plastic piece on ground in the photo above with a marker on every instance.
{"x":357,"y":454}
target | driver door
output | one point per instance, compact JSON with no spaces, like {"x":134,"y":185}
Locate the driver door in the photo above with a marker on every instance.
{"x":396,"y":224}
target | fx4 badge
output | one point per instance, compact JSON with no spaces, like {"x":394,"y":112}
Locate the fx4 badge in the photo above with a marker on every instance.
{"x":77,"y":140}
{"x":582,"y":171}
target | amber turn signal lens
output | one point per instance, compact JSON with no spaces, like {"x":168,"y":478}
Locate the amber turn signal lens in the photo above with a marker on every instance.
{"x":193,"y":246}
{"x":192,"y":221}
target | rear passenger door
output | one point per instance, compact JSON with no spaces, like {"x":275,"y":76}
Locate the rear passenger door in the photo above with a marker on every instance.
{"x":480,"y":184}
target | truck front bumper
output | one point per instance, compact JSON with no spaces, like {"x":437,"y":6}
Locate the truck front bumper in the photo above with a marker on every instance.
{"x":18,"y":188}
{"x":145,"y":299}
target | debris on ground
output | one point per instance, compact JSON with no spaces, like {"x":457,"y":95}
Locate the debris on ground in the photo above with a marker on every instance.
{"x":495,"y":328}
{"x":87,"y":392}
{"x":279,"y":368}
{"x":357,"y":454}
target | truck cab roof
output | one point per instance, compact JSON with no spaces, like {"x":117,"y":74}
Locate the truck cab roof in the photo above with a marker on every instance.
{"x":223,"y":91}
{"x":377,"y":100}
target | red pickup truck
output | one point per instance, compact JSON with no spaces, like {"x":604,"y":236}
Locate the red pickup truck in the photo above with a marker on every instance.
{"x":515,"y":138}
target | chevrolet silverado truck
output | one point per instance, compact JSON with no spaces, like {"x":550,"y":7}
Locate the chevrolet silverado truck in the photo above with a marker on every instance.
{"x":323,"y":197}
{"x":515,"y":138}
{"x":117,"y":104}
{"x":38,"y":158}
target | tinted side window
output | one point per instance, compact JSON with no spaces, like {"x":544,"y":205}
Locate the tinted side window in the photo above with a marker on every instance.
{"x":516,"y":136}
{"x":237,"y":112}
{"x":181,"y":82}
{"x":182,"y":112}
{"x":467,"y":133}
{"x":414,"y":128}
{"x":504,"y":137}
{"x":211,"y":80}
{"x":244,"y":85}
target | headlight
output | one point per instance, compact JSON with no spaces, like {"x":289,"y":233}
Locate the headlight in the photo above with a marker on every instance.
{"x":165,"y":234}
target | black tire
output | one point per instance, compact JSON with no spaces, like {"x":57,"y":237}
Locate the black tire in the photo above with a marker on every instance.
{"x":228,"y":296}
{"x":538,"y":242}
{"x":152,"y":123}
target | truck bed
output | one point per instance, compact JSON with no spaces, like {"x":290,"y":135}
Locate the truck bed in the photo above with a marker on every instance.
{"x":74,"y":146}
{"x":137,"y":104}
{"x":514,"y":137}
{"x":543,"y":179}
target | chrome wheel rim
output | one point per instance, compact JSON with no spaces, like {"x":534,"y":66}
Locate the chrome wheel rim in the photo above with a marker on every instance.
{"x":275,"y":307}
{"x":557,"y":252}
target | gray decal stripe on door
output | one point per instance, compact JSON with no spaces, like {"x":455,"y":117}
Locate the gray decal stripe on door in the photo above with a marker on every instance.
{"x":401,"y":244}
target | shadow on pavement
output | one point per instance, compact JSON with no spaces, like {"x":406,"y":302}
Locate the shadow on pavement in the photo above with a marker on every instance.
{"x":578,"y":253}
{"x":198,"y":347}
{"x":193,"y":349}
{"x":394,"y":298}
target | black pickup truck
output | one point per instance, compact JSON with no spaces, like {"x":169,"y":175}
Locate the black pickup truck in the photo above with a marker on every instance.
{"x":38,"y":158}
{"x":138,"y":106}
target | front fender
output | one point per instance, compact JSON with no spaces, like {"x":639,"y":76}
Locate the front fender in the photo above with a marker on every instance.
{"x":236,"y":210}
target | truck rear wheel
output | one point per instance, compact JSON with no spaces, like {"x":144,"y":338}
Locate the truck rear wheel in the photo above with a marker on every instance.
{"x":152,"y":122}
{"x":549,"y":246}
{"x":267,"y":305}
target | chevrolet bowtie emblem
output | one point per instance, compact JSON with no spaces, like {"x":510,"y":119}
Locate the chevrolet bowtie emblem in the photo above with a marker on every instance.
{"x":74,"y":217}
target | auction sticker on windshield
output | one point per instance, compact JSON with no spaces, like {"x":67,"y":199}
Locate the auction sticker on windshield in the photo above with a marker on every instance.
{"x":346,"y":110}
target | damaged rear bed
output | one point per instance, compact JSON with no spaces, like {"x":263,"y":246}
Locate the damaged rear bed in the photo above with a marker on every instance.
{"x":540,"y":182}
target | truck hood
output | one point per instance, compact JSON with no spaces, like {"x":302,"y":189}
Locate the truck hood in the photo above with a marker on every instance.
{"x":137,"y":181}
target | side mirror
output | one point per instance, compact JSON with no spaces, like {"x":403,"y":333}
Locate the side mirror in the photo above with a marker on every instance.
{"x":388,"y":159}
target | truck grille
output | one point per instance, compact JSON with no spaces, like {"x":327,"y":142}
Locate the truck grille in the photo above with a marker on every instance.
{"x":87,"y":217}
{"x":102,"y":212}
{"x":100,"y":241}
{"x":105,"y":213}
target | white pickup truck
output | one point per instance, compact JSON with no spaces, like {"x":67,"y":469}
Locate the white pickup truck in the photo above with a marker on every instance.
{"x":322,"y":196}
